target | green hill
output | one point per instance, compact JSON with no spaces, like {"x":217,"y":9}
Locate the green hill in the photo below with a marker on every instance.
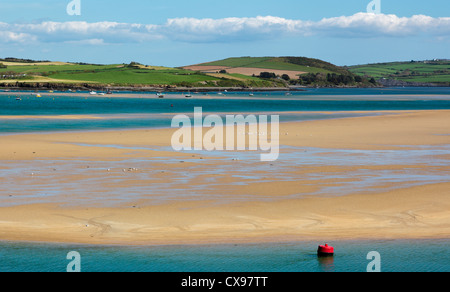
{"x":294,"y":71}
{"x":434,"y":71}
{"x":30,"y":73}
{"x":244,"y":72}
{"x":300,"y":64}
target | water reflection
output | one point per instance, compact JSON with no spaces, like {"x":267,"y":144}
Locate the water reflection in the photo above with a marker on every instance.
{"x":326,"y":263}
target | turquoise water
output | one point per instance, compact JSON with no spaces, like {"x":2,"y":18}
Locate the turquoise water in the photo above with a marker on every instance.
{"x":147,"y":111}
{"x":310,"y":91}
{"x":350,"y":256}
{"x":130,"y":121}
{"x":138,"y":112}
{"x":65,"y":105}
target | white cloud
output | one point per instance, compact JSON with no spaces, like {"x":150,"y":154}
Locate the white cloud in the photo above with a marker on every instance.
{"x":92,"y":42}
{"x":374,"y":25}
{"x":267,"y":27}
{"x":7,"y":36}
{"x":360,"y":25}
{"x":79,"y":31}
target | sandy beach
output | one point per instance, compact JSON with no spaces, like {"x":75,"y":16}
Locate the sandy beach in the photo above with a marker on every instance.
{"x":193,"y":198}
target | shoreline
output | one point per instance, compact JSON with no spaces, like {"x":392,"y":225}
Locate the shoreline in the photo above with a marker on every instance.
{"x":230,"y":208}
{"x":232,"y":96}
{"x":106,"y":116}
{"x":157,"y":88}
{"x":152,"y":89}
{"x":311,"y":241}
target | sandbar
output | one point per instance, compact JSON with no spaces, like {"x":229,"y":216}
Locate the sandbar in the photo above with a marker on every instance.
{"x":229,"y":207}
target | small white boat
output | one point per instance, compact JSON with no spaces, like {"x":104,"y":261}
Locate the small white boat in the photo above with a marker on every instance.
{"x":160,"y":95}
{"x":93,"y":93}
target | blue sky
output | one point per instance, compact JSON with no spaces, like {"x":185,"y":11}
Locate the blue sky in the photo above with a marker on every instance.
{"x":177,"y":33}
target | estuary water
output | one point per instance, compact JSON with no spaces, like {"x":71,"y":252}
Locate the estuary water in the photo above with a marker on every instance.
{"x":145,"y":110}
{"x":23,"y":112}
{"x":350,"y":256}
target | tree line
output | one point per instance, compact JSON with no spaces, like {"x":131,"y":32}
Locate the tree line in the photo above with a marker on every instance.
{"x":333,"y":79}
{"x":322,"y":79}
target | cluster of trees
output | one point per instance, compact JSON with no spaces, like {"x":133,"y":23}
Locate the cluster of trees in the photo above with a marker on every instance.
{"x":3,"y":66}
{"x":269,"y":75}
{"x":47,"y":85}
{"x":332,"y":79}
{"x":18,"y":60}
{"x":134,"y":65}
{"x":322,"y":79}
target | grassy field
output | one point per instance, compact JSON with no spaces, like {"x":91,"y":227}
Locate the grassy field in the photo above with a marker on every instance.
{"x":445,"y":78}
{"x":238,"y":62}
{"x":278,"y":65}
{"x":51,"y":69}
{"x":244,"y":77}
{"x":115,"y":74}
{"x":300,"y":64}
{"x":425,"y":71}
{"x":295,"y":71}
{"x":126,"y":76}
{"x":133,"y":74}
{"x":32,"y":64}
{"x":240,"y":72}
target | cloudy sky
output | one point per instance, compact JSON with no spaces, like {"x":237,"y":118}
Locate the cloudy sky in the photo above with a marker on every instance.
{"x":177,"y":33}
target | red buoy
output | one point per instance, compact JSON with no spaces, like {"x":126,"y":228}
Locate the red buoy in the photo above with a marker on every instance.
{"x":325,"y":250}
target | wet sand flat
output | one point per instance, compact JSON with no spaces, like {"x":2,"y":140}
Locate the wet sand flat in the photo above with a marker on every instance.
{"x":383,"y":176}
